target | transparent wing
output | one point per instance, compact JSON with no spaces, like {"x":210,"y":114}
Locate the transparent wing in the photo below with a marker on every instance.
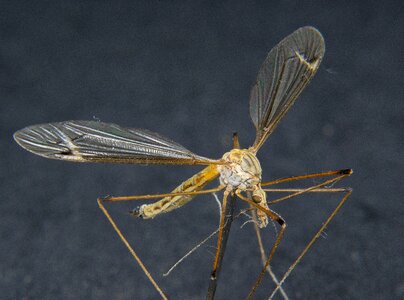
{"x":91,"y":141}
{"x":288,"y":68}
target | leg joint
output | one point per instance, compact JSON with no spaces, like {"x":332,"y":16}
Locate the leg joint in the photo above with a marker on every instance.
{"x":346,"y":172}
{"x":281,"y":222}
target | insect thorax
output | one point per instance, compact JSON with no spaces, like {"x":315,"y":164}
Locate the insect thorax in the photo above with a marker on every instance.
{"x":242,"y":170}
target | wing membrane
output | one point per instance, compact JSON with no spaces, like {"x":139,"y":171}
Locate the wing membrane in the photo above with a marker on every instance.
{"x":287,"y":69}
{"x":91,"y":141}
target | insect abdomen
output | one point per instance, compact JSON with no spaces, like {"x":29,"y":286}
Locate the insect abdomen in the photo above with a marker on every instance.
{"x":193,"y":184}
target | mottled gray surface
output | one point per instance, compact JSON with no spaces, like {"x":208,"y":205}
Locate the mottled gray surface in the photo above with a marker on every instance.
{"x":185,"y":70}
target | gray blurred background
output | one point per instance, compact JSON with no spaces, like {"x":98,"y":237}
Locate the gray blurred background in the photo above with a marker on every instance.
{"x":185,"y":71}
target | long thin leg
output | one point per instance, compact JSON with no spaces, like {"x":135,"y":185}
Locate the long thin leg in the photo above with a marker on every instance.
{"x":226,"y":219}
{"x":311,"y":242}
{"x":296,"y":191}
{"x":302,"y":191}
{"x":220,"y":235}
{"x":342,"y":174}
{"x":154,"y":196}
{"x":125,"y":241}
{"x":308,"y":176}
{"x":263,"y":255}
{"x":275,"y":217}
{"x":316,"y":189}
{"x":101,"y":202}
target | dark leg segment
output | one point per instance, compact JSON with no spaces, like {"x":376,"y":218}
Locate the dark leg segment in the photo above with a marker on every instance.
{"x":227,"y":214}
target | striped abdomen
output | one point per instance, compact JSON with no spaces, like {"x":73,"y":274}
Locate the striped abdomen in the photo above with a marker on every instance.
{"x":193,"y":184}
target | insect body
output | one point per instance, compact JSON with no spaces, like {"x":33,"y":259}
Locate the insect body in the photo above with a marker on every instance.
{"x":287,"y":69}
{"x":169,"y":203}
{"x":241,"y":170}
{"x":242,"y":173}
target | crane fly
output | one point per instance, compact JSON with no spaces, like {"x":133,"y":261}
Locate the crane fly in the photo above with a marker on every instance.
{"x":287,"y":69}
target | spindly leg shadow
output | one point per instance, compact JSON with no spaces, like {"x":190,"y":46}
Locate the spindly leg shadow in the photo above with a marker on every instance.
{"x":319,"y":188}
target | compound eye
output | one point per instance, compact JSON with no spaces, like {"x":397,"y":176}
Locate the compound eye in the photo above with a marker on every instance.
{"x":256,"y":198}
{"x":259,"y":196}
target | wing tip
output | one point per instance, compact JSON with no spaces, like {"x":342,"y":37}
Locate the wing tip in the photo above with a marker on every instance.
{"x":309,"y":46}
{"x":316,"y":34}
{"x":33,"y":139}
{"x":310,"y":28}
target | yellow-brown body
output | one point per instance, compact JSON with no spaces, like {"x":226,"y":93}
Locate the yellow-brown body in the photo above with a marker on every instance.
{"x":167,"y":204}
{"x":240,"y":172}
